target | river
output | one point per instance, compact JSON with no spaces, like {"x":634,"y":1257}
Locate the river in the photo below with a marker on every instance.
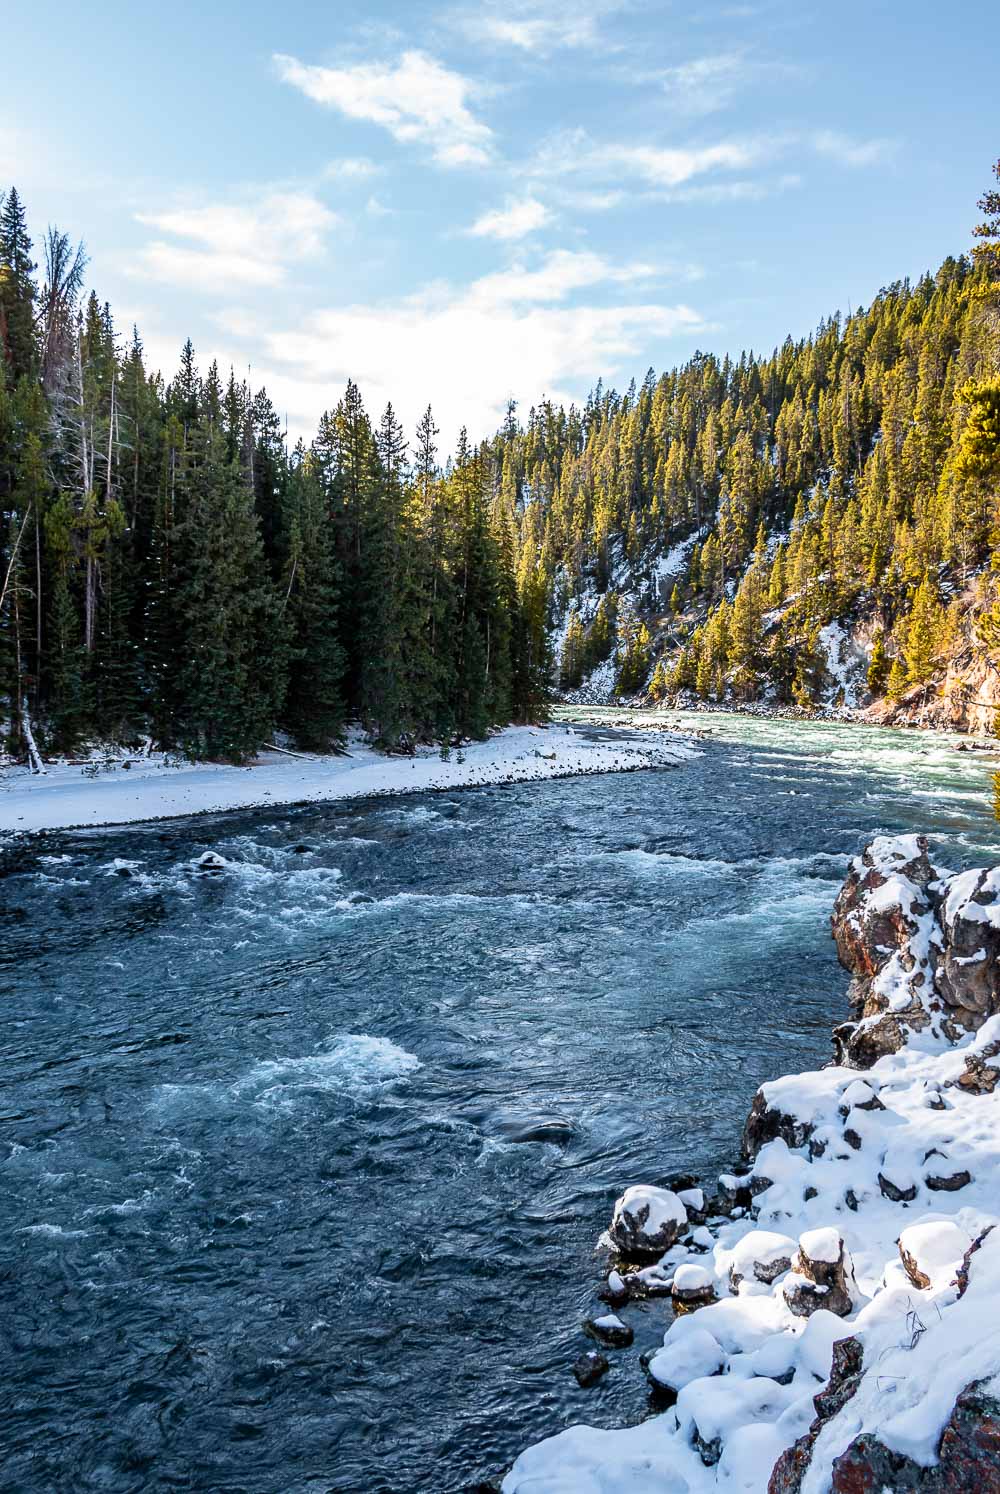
{"x":303,"y":1159}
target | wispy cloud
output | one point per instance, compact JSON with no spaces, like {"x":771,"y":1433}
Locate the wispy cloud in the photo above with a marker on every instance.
{"x":703,"y":84}
{"x":417,"y":99}
{"x":219,"y":245}
{"x":351,"y":169}
{"x":538,"y":26}
{"x":656,"y":166}
{"x":848,"y":152}
{"x":516,"y":220}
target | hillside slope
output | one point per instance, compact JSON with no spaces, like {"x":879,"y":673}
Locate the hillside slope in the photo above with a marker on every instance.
{"x":817,"y":527}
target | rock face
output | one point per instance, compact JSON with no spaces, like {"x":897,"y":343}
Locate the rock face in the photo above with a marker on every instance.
{"x":879,"y":927}
{"x":968,"y":968}
{"x":923,"y":951}
{"x":968,"y":1457}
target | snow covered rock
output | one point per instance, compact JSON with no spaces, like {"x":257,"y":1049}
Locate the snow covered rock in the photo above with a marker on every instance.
{"x":882,"y":925}
{"x":609,"y":1330}
{"x":647,"y":1221}
{"x":859,"y":1350}
{"x":615,"y":1288}
{"x":924,"y":950}
{"x":932,"y":1251}
{"x":968,"y":969}
{"x":692,"y":1284}
{"x":762,"y":1255}
{"x":686,"y":1355}
{"x":821,"y":1276}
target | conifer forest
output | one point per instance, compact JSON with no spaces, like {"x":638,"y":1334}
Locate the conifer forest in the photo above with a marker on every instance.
{"x":172,"y":569}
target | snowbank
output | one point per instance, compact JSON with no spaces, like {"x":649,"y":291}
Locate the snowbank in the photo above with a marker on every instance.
{"x":151,"y":788}
{"x":854,"y":1342}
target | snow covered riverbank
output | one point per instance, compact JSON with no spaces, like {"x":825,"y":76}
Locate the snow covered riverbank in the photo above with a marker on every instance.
{"x":849,"y":1337}
{"x":152,"y":788}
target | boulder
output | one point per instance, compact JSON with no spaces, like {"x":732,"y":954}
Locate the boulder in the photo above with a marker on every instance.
{"x":901,"y":1189}
{"x":589,"y":1368}
{"x":968,"y":1456}
{"x":609,"y":1330}
{"x":647,"y":1221}
{"x":932,"y":1251}
{"x":968,"y":968}
{"x":767,"y":1123}
{"x":821,"y":1275}
{"x":693,"y":1285}
{"x":691,"y":1355}
{"x":877,"y":908}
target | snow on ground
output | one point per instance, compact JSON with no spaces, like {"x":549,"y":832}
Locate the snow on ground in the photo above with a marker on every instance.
{"x":896,"y":1174}
{"x":153,"y":788}
{"x":844,"y":665}
{"x":675,"y":562}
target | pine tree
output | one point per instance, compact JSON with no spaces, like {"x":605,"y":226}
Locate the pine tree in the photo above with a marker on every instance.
{"x":878,"y":665}
{"x":314,"y":708}
{"x":922,"y":633}
{"x":233,"y":649}
{"x":383,"y":703}
{"x":17,"y":290}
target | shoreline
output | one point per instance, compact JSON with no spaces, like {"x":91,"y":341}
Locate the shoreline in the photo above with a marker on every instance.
{"x":152,"y":789}
{"x":754,"y":710}
{"x":836,"y":1295}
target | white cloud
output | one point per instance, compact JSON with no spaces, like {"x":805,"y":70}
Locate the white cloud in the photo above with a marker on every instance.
{"x":561,"y":272}
{"x":848,"y":152}
{"x":575,"y":151}
{"x":234,"y":244}
{"x":517,"y":219}
{"x":468,"y":349}
{"x":417,"y":99}
{"x":351,"y":169}
{"x":704,"y":84}
{"x":539,"y":26}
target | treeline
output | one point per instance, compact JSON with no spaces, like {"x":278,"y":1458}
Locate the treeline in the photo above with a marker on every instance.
{"x":853,"y":473}
{"x":169,"y":568}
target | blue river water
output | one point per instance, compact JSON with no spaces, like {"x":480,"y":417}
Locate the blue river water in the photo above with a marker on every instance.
{"x":303,"y":1160}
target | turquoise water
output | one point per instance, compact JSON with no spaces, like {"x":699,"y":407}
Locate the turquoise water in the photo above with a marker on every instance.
{"x":303,"y":1163}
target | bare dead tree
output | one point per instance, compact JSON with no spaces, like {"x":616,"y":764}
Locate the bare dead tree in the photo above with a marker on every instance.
{"x":64,"y":269}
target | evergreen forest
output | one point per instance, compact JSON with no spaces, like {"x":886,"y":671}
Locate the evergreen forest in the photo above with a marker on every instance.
{"x":170,"y":569}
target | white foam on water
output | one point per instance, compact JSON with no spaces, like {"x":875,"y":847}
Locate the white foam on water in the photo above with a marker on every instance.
{"x":356,"y":1064}
{"x":52,"y":1231}
{"x":653,"y":862}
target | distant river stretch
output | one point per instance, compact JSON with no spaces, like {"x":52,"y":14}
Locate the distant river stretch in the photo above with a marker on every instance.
{"x":303,"y":1162}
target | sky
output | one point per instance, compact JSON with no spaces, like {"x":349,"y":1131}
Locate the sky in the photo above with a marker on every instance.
{"x":465,"y":203}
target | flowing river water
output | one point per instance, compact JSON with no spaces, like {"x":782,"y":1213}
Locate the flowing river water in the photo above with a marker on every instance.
{"x":303,"y":1161}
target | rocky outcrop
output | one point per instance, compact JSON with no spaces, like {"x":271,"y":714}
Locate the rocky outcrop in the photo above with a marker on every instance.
{"x":846,"y":1370}
{"x":769,"y":1321}
{"x":968,"y":1456}
{"x":923,"y":952}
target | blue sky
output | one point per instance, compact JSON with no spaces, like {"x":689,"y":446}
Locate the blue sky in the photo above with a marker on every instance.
{"x":462,"y":203}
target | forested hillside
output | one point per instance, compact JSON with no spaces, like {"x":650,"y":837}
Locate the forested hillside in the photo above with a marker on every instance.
{"x":169,"y":568}
{"x":817,"y":525}
{"x":812,"y":525}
